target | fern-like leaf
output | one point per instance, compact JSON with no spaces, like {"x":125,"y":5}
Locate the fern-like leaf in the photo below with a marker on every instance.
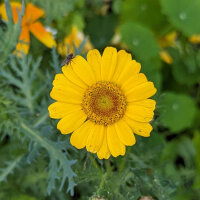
{"x":58,"y":160}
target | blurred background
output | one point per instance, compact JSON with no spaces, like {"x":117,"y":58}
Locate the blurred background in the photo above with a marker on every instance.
{"x":38,"y":163}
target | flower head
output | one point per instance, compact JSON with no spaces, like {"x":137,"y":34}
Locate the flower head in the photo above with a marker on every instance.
{"x":31,"y":24}
{"x":75,"y":37}
{"x":195,"y":39}
{"x":103,"y":102}
{"x":167,"y":41}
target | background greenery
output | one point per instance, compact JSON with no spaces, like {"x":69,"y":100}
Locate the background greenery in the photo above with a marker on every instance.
{"x":37,"y":162}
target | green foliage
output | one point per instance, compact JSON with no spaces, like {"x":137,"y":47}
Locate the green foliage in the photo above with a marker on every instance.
{"x":183,"y":15}
{"x":105,"y":25}
{"x":140,"y":40}
{"x":9,"y":34}
{"x":141,"y":11}
{"x":197,"y":158}
{"x":178,"y":111}
{"x":186,"y":70}
{"x":9,"y":168}
{"x":37,"y":162}
{"x":55,"y":10}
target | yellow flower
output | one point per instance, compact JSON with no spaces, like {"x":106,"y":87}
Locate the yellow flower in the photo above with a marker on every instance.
{"x":167,"y":41}
{"x":29,"y":24}
{"x":195,"y":39}
{"x":103,"y":102}
{"x":165,"y":56}
{"x":75,"y":37}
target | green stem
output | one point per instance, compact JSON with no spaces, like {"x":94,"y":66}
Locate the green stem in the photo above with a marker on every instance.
{"x":108,"y":167}
{"x":123,"y":161}
{"x":10,"y":168}
{"x":41,"y":119}
{"x":95,"y":163}
{"x":104,"y":177}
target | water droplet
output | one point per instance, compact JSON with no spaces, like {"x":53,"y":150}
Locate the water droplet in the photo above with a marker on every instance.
{"x":182,"y":16}
{"x":143,"y":7}
{"x":135,"y":42}
{"x":175,"y":106}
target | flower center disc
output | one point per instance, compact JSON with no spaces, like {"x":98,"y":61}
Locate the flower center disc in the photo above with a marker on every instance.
{"x":104,"y":103}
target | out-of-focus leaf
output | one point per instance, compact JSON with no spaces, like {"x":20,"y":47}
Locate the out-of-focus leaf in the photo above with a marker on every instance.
{"x":55,"y":10}
{"x":140,"y":40}
{"x":197,"y":158}
{"x":117,"y":6}
{"x":9,"y":36}
{"x":185,"y":68}
{"x":183,"y":14}
{"x":177,"y":112}
{"x":152,"y":70}
{"x":101,"y":29}
{"x":146,"y":12}
{"x":23,"y":197}
{"x":185,"y":149}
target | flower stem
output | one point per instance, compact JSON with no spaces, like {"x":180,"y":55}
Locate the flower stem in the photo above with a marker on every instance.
{"x":95,"y":164}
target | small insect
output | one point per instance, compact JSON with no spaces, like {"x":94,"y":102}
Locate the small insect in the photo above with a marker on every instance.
{"x":68,"y":59}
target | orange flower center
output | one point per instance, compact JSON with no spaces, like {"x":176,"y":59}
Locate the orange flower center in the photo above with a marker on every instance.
{"x":104,"y":103}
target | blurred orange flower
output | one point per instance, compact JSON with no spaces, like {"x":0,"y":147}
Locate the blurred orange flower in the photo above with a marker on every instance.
{"x":75,"y":37}
{"x":29,"y":24}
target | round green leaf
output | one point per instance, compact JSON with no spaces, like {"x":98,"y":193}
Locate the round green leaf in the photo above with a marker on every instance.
{"x":101,"y":29}
{"x":183,"y":14}
{"x":185,"y":68}
{"x":140,"y":40}
{"x":177,"y":111}
{"x":147,"y":12}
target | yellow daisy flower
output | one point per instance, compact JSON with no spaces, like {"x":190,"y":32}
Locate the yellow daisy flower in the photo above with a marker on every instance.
{"x":103,"y":102}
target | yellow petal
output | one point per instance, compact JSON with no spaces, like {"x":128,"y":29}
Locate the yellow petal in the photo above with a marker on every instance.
{"x":75,"y":37}
{"x":71,"y":122}
{"x":132,"y":82}
{"x":125,"y":133}
{"x":83,"y":70}
{"x":141,"y":92}
{"x":148,"y":103}
{"x":14,"y":6}
{"x":129,"y":71}
{"x":165,"y":56}
{"x":39,"y":31}
{"x":61,"y":80}
{"x":24,"y":42}
{"x":115,"y":146}
{"x":66,"y":95}
{"x":79,"y":137}
{"x":139,"y":128}
{"x":108,"y":64}
{"x":59,"y":110}
{"x":104,"y":152}
{"x":123,"y":58}
{"x":95,"y":138}
{"x":195,"y":39}
{"x":33,"y":13}
{"x":94,"y":59}
{"x":71,"y":75}
{"x":139,"y":113}
{"x":168,"y":40}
